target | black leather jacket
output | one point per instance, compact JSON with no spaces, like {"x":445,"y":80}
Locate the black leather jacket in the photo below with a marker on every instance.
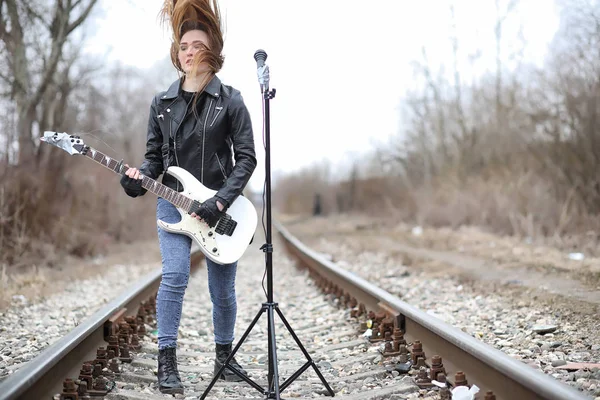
{"x":224,"y":135}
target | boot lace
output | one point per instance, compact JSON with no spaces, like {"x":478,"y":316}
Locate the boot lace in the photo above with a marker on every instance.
{"x":171,"y":364}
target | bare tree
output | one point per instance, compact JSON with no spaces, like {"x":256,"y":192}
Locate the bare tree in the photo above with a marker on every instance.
{"x":501,"y":16}
{"x":34,"y":34}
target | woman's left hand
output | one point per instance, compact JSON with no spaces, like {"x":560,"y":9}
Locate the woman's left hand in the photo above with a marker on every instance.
{"x":210,"y":212}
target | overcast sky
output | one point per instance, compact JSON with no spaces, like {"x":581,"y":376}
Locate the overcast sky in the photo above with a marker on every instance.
{"x":340,"y":67}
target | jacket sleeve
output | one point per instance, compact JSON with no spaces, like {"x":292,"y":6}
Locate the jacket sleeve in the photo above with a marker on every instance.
{"x":243,"y":150}
{"x":152,"y":166}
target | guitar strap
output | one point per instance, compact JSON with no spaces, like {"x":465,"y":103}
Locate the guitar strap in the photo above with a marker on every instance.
{"x":164,"y":122}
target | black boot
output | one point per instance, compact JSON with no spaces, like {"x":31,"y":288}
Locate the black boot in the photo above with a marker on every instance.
{"x":169,"y":381}
{"x":223,"y":351}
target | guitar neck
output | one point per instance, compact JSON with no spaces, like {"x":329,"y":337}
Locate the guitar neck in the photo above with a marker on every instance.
{"x":172,"y":196}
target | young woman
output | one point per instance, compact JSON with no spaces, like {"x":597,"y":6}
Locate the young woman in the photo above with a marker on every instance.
{"x":208,"y":127}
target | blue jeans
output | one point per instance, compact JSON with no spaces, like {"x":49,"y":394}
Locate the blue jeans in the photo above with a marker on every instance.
{"x":175,"y":252}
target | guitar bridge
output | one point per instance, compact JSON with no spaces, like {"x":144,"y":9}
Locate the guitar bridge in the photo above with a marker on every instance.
{"x":226,"y":226}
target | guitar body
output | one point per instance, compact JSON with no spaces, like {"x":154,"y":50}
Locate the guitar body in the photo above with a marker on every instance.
{"x":222,"y":249}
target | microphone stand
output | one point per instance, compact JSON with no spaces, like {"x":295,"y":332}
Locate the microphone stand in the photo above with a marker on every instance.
{"x":274,"y":389}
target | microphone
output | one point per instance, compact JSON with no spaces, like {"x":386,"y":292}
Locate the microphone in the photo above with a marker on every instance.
{"x":260,"y":56}
{"x":262,"y":69}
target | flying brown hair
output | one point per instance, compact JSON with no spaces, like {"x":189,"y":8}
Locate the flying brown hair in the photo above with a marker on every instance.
{"x":187,"y":15}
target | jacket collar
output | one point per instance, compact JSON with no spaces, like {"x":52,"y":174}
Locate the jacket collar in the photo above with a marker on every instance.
{"x":213,"y":88}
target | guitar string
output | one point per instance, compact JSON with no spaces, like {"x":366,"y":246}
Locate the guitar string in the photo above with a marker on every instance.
{"x":91,"y":133}
{"x":158,"y":188}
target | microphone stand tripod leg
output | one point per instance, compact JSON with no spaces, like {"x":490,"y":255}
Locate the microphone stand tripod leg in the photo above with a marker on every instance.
{"x":274,"y":392}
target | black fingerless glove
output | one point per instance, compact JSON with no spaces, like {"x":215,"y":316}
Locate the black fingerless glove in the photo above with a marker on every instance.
{"x":209,"y":211}
{"x":133,"y":187}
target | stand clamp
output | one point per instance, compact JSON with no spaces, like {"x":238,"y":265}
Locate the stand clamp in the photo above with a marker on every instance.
{"x":267,"y":248}
{"x":270,"y":94}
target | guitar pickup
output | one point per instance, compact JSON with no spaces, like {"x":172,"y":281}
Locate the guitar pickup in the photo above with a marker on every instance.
{"x":226,"y":225}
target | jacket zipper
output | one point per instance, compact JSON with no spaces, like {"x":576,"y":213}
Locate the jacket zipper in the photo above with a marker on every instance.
{"x":203,"y":140}
{"x":221,"y":166}
{"x":219,"y":109}
{"x":175,"y":152}
{"x":174,"y":136}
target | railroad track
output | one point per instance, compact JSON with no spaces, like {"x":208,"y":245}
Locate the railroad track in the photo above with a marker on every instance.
{"x":91,"y":347}
{"x":464,"y":358}
{"x":329,"y":316}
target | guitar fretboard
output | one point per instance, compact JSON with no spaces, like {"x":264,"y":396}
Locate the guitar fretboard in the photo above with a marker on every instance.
{"x":149,"y":184}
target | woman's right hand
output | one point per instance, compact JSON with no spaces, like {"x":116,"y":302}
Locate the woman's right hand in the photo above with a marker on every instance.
{"x":133,"y":173}
{"x":132,"y":182}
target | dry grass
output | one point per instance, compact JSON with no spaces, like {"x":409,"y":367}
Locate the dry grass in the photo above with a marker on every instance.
{"x":65,"y":214}
{"x":467,"y":251}
{"x":521,"y":207}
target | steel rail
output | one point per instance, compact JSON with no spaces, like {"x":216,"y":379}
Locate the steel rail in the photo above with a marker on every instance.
{"x":484,"y":366}
{"x":43,"y":376}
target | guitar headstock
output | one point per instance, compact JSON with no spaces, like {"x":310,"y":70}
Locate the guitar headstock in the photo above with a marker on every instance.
{"x":70,"y":143}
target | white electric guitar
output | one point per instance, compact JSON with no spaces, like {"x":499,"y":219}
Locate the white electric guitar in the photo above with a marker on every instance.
{"x":225,"y":243}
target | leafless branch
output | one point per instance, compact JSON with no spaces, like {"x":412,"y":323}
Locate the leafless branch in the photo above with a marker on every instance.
{"x":79,"y":20}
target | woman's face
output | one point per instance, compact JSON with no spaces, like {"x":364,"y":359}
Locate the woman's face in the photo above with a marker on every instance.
{"x":191,"y":43}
